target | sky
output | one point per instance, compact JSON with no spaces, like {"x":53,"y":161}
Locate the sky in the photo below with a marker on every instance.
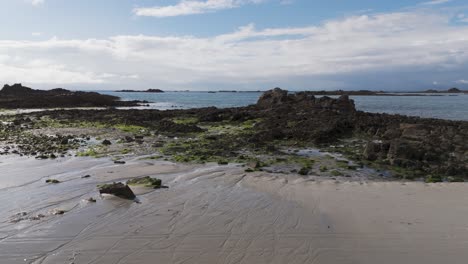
{"x":393,"y":45}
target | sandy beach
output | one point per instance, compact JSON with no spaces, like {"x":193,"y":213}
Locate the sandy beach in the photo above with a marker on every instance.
{"x":220,"y":214}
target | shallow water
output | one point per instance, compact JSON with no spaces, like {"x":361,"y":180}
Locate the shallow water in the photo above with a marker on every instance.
{"x":453,"y":107}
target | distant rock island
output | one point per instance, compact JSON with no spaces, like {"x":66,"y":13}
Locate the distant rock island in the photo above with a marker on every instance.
{"x":386,"y":93}
{"x":19,"y":96}
{"x":139,"y":91}
{"x":451,"y":90}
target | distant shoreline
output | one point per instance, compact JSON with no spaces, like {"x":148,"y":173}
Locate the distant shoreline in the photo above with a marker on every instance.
{"x":140,"y":91}
{"x":451,"y":91}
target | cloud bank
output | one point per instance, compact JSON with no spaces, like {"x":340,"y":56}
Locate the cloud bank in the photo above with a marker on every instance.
{"x":385,"y":51}
{"x":189,"y":7}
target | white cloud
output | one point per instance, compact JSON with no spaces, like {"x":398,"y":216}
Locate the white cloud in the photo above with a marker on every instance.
{"x":371,"y":46}
{"x":36,"y":34}
{"x":190,"y":7}
{"x":462,"y":81}
{"x":436,"y":2}
{"x":36,"y":2}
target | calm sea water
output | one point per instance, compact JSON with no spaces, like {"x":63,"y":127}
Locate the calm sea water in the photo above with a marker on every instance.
{"x":454,"y":107}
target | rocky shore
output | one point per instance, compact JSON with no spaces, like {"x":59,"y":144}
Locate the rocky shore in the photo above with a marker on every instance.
{"x":269,"y":135}
{"x":19,"y":96}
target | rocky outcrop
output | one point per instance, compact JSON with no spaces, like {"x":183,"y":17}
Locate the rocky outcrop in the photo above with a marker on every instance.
{"x":431,"y":146}
{"x":303,"y":116}
{"x":306,"y":100}
{"x":19,"y":96}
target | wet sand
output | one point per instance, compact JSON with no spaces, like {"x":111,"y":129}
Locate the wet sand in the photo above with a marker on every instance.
{"x":220,"y":214}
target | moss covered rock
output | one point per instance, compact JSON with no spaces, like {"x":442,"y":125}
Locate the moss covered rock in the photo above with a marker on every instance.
{"x":146,"y":181}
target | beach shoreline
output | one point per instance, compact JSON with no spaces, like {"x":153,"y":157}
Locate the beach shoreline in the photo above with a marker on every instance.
{"x":220,"y":214}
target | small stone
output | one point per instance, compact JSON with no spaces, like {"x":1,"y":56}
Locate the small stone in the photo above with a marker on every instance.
{"x":52,"y":181}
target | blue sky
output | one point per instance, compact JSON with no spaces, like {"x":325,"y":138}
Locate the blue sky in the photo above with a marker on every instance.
{"x":234,"y":44}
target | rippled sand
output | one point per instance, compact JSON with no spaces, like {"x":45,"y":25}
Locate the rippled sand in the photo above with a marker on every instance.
{"x":220,"y":214}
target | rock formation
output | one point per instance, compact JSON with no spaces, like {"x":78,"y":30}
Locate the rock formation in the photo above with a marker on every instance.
{"x":19,"y":96}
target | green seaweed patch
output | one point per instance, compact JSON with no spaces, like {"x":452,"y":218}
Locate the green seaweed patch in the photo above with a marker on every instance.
{"x":323,"y":168}
{"x":47,"y":122}
{"x":186,"y":120}
{"x":336,"y":173}
{"x":232,"y":128}
{"x":91,"y":152}
{"x":250,"y":124}
{"x":131,"y":128}
{"x":146,"y":181}
{"x":223,"y":162}
{"x":433,"y":179}
{"x":125,"y":151}
{"x":293,"y":159}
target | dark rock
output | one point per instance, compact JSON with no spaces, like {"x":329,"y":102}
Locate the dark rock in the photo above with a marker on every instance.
{"x":118,"y":189}
{"x":272,"y":98}
{"x":19,"y":96}
{"x":52,"y":181}
{"x":106,"y":142}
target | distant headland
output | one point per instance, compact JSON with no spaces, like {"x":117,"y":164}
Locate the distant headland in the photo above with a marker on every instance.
{"x":19,"y":96}
{"x":140,"y":91}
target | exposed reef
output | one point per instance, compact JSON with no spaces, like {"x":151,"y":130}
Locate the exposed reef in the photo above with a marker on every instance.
{"x":255,"y":135}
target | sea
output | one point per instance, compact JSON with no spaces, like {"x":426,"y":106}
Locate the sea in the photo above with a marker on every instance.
{"x":442,"y":106}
